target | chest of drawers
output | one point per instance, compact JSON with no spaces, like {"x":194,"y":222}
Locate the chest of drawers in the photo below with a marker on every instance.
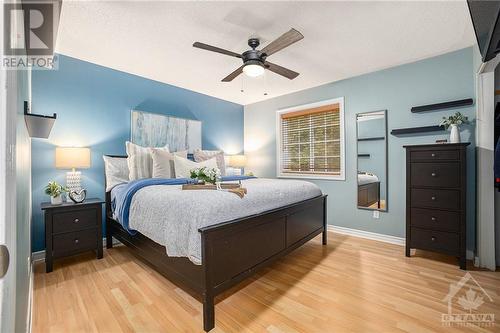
{"x":72,"y":228}
{"x":436,"y":199}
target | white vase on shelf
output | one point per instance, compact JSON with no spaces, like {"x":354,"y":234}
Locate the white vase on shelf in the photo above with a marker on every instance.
{"x":56,"y":200}
{"x":454,"y":134}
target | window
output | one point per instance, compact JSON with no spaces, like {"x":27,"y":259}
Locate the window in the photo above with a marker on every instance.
{"x":310,"y":141}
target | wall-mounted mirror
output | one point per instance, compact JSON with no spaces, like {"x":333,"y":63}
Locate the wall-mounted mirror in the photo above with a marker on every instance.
{"x":371,"y":133}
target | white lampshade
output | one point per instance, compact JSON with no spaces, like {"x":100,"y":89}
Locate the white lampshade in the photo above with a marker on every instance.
{"x":253,"y":70}
{"x":237,"y":161}
{"x":72,"y":158}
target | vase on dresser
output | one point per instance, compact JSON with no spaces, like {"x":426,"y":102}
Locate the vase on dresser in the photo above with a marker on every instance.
{"x":454,"y":133}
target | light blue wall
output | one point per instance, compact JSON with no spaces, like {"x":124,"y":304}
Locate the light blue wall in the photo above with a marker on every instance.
{"x":93,"y":106}
{"x":443,"y":78}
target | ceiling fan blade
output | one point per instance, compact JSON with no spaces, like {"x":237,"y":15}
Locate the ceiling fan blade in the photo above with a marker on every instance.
{"x":233,"y":75}
{"x":287,"y":39}
{"x":215,"y":49}
{"x":288,"y":73}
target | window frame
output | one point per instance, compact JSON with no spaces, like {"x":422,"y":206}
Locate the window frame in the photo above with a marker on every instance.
{"x":279,"y":173}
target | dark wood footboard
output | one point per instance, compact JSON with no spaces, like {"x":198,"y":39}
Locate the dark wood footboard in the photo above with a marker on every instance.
{"x":231,"y":251}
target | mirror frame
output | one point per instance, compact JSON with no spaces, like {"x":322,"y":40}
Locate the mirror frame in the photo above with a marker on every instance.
{"x":386,"y":163}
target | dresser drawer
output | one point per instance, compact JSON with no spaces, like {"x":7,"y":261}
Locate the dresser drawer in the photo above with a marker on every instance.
{"x":434,"y":155}
{"x":445,"y":242}
{"x":74,"y":220}
{"x":435,"y":219}
{"x":74,"y":242}
{"x":440,"y":174}
{"x":435,"y":198}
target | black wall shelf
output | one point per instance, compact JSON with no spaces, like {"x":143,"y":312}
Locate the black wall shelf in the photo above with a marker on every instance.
{"x":372,"y":139}
{"x":440,"y":106}
{"x":413,"y":130}
{"x":363,"y":155}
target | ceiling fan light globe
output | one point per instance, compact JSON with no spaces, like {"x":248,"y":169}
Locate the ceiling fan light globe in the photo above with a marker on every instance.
{"x":253,"y":70}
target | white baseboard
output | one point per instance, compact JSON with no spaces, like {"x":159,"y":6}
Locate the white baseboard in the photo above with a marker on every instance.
{"x":378,"y":237}
{"x":367,"y":235}
{"x":40,"y":255}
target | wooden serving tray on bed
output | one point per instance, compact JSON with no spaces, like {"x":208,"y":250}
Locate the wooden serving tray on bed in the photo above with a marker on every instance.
{"x":209,"y":186}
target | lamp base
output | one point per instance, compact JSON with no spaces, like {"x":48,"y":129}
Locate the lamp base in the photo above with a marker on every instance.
{"x":73,"y":182}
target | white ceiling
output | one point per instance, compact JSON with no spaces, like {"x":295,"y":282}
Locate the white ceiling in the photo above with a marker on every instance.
{"x":342,"y":39}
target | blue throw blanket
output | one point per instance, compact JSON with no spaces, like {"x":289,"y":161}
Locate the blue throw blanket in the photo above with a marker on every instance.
{"x":124,"y":193}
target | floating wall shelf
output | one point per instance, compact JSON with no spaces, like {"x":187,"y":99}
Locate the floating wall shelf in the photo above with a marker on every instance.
{"x":413,"y":130}
{"x":440,"y":106}
{"x":39,"y":126}
{"x":372,"y":139}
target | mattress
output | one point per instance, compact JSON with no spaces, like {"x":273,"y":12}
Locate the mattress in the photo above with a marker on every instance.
{"x":367,"y":178}
{"x":171,"y":216}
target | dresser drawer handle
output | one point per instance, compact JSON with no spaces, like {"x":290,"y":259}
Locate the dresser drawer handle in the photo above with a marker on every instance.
{"x":77,"y":241}
{"x":433,"y":218}
{"x":433,"y":238}
{"x":433,"y":198}
{"x":433,"y":155}
{"x":433,"y":174}
{"x":76,"y":221}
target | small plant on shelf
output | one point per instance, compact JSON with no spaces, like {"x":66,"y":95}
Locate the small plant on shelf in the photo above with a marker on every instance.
{"x":456,"y":119}
{"x":205,"y":175}
{"x":453,"y":122}
{"x":55,"y":191}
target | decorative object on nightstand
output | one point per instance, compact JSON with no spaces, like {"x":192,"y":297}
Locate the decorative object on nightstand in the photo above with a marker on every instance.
{"x":436,"y":181}
{"x":72,"y":228}
{"x":238,"y":162}
{"x":72,"y":158}
{"x":55,"y":191}
{"x":454,"y":122}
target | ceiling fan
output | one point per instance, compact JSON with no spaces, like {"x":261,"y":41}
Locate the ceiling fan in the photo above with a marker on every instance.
{"x":254,"y":61}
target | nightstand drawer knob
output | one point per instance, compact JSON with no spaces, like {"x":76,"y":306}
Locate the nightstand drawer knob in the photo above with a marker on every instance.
{"x":76,"y":221}
{"x":433,"y":155}
{"x":433,"y":174}
{"x":433,"y":238}
{"x":433,"y":218}
{"x":433,"y":198}
{"x":76,"y":241}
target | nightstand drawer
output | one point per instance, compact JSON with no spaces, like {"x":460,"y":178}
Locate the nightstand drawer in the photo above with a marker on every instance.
{"x":74,"y":242}
{"x":445,"y":242}
{"x":434,"y":155}
{"x":74,"y":220}
{"x":440,"y":174}
{"x":435,"y":198}
{"x":435,"y":219}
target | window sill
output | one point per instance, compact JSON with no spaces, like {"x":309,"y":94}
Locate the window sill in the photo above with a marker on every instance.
{"x":315,"y":177}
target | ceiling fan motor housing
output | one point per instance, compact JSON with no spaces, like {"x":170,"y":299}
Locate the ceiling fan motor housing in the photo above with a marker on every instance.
{"x":253,"y":57}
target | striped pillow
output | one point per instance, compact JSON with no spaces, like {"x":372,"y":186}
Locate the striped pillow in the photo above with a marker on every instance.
{"x":139,"y":160}
{"x":203,"y":155}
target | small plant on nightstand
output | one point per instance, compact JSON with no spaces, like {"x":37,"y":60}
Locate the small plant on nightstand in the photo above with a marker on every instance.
{"x":55,"y":191}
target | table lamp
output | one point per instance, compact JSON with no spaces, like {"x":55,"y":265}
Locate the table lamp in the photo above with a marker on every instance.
{"x":238,"y":162}
{"x":73,"y":158}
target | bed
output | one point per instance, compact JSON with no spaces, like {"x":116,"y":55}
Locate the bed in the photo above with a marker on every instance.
{"x":368,"y":190}
{"x":231,"y":249}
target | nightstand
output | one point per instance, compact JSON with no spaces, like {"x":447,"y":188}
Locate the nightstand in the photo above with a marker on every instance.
{"x":72,"y":228}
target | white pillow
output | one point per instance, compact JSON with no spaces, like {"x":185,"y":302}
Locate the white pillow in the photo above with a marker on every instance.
{"x":116,"y":170}
{"x":203,"y":155}
{"x":183,"y":166}
{"x":163,"y":162}
{"x":139,"y":160}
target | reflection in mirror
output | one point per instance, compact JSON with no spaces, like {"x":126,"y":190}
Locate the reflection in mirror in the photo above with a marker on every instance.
{"x":371,"y":129}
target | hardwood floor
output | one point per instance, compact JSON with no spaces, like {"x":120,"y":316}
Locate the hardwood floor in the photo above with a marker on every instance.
{"x":351,"y":285}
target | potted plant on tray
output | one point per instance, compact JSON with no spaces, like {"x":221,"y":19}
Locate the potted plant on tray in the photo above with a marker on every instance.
{"x":205,"y":175}
{"x":55,"y":191}
{"x":454,"y":122}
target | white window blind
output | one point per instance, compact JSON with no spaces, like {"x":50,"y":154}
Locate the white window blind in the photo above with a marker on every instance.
{"x":311,"y":141}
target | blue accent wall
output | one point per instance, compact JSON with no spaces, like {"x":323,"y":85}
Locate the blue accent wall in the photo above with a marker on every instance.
{"x":93,"y":106}
{"x":439,"y":79}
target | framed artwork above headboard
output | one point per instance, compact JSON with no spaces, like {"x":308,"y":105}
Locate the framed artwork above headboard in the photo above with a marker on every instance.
{"x":157,"y":130}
